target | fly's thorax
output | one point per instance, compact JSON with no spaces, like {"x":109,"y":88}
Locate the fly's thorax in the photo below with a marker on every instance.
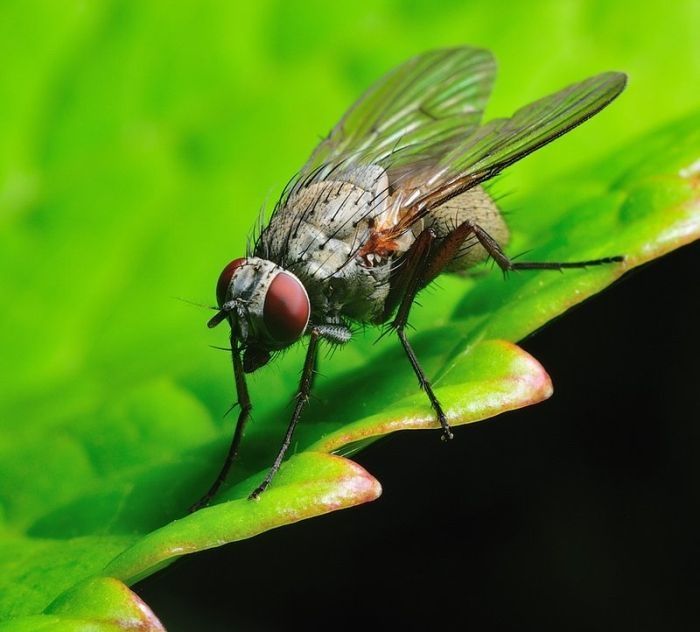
{"x":317,"y":234}
{"x":270,"y":305}
{"x":341,"y":209}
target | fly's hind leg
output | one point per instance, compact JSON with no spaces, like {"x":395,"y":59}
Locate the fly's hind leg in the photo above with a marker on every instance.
{"x":475,"y":216}
{"x":478,"y":207}
{"x":506,"y":264}
{"x":426,"y":259}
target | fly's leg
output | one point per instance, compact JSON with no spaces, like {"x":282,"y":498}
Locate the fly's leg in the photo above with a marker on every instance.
{"x":421,"y":260}
{"x":243,"y":415}
{"x":426,"y":259}
{"x":337,"y":334}
{"x":506,"y":264}
{"x":423,"y":263}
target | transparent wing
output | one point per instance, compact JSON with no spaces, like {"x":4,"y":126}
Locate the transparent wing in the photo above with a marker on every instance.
{"x":486,"y":151}
{"x":417,"y":109}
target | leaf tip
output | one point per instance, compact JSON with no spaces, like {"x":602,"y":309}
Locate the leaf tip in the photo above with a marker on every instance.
{"x":105,"y":600}
{"x":357,"y":486}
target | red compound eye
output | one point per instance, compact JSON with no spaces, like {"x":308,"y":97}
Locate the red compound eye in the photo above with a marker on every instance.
{"x":287,"y":309}
{"x":225,"y":279}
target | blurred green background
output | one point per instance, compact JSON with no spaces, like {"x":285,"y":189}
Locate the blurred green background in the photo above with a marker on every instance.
{"x":138,"y":141}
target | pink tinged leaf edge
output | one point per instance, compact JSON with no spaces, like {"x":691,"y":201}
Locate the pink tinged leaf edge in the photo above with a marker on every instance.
{"x":684,"y":230}
{"x":524,"y":384}
{"x":239,"y":519}
{"x":105,"y":600}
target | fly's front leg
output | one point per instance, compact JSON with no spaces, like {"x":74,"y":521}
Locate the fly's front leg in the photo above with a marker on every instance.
{"x":243,"y":416}
{"x":337,"y":334}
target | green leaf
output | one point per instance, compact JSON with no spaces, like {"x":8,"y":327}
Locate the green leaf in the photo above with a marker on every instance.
{"x":641,"y":202}
{"x":119,"y":476}
{"x":117,"y":195}
{"x":495,"y":377}
{"x":310,"y":484}
{"x":101,"y":604}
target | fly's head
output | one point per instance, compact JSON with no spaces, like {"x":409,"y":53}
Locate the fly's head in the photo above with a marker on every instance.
{"x":267,"y":307}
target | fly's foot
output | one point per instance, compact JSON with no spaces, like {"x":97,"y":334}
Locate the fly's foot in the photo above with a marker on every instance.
{"x":446,"y":430}
{"x":446,"y":433}
{"x":255,"y":494}
{"x":200,"y":504}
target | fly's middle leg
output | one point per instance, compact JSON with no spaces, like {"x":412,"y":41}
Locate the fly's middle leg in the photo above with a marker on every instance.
{"x":427,"y":258}
{"x":418,"y":262}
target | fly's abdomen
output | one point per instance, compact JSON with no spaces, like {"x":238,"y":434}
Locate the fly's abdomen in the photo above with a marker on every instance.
{"x":477,"y":206}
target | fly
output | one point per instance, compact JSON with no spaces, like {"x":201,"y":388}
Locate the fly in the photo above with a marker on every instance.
{"x":391,"y":199}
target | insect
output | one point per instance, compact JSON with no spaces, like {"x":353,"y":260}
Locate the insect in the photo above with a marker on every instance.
{"x":389,"y":200}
